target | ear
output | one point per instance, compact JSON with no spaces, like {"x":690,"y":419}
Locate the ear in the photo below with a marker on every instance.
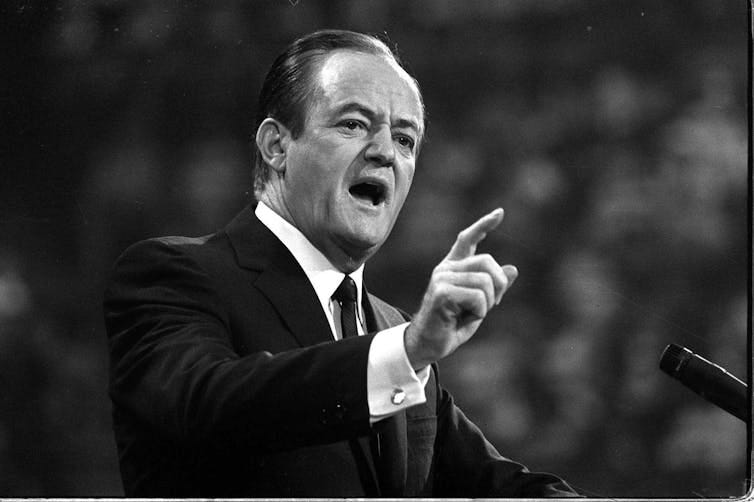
{"x":272,"y":141}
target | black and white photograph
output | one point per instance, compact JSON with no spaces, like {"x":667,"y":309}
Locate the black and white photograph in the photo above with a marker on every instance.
{"x":354,"y":249}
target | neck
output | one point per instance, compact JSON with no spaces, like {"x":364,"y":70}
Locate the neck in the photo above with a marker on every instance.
{"x":345,"y":263}
{"x":341,"y":256}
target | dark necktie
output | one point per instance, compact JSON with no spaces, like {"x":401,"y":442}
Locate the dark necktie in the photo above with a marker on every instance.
{"x":391,"y":483}
{"x":345,"y":295}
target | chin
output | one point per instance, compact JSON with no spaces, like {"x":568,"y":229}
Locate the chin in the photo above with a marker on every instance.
{"x":362,"y":245}
{"x":365,"y":242}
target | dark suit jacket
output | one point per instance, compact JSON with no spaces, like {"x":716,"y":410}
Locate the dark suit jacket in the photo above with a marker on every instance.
{"x":225,"y":382}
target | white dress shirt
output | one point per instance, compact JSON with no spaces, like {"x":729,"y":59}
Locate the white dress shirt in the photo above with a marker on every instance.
{"x":392,"y":384}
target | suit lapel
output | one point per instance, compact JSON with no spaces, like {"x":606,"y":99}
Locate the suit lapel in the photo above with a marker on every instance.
{"x":281,"y":278}
{"x":286,"y":286}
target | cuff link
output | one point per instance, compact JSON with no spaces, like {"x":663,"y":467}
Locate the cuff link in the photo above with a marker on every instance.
{"x":398,"y":396}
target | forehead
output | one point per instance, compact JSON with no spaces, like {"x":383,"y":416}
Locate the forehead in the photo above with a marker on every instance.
{"x":374,"y":80}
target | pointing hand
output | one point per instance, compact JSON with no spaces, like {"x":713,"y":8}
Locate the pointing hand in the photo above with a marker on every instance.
{"x":462,"y":290}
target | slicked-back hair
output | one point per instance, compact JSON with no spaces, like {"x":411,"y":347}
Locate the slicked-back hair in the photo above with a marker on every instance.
{"x":290,"y":82}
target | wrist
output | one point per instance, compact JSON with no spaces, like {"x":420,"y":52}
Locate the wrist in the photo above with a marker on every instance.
{"x":415,"y":351}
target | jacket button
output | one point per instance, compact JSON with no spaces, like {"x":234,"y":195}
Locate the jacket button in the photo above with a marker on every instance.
{"x":334,"y":415}
{"x":339,"y":412}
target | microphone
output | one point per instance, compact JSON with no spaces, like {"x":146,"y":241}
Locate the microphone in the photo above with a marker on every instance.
{"x":707,"y":379}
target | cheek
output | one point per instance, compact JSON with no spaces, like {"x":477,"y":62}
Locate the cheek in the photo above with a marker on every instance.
{"x":322,"y":163}
{"x":405,"y":178}
{"x":307,"y":177}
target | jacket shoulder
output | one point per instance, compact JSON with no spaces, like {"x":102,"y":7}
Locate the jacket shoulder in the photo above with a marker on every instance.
{"x":208,"y":251}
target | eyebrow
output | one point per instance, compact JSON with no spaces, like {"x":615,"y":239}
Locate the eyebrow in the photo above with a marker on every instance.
{"x":354,"y":106}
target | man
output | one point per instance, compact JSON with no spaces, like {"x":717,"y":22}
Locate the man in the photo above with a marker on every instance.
{"x":236,"y":369}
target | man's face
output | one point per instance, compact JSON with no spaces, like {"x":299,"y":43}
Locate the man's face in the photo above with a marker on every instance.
{"x":348,"y":173}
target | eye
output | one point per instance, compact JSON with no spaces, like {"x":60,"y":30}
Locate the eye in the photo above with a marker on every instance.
{"x":352,"y":125}
{"x":406,"y":141}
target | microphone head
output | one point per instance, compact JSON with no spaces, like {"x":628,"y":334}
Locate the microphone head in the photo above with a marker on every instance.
{"x":673,"y":359}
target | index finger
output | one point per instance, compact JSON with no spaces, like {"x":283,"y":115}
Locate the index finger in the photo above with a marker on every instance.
{"x":468,"y":239}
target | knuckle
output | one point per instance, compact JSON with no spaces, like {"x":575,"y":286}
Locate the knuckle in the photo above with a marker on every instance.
{"x":440,"y":274}
{"x":480,"y":302}
{"x":437,"y":273}
{"x":486,"y":280}
{"x":488,"y":261}
{"x":441,"y":267}
{"x":443,"y":292}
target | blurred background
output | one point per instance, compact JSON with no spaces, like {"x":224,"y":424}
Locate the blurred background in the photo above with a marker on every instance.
{"x":613,"y":132}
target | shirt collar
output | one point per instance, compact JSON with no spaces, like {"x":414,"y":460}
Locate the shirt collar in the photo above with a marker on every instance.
{"x":322,"y":274}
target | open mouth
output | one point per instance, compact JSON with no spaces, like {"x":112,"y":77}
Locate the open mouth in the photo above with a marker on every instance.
{"x":369,"y":191}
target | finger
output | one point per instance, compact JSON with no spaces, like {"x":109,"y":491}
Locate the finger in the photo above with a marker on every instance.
{"x":481,"y":281}
{"x":483,"y":263}
{"x":467,"y":240}
{"x":511,"y":272}
{"x":503,"y":277}
{"x":459,"y":301}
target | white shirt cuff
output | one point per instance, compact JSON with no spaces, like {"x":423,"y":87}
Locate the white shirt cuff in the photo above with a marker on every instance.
{"x":392,"y":384}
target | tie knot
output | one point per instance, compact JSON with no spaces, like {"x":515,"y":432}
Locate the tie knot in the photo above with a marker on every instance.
{"x":346,"y":292}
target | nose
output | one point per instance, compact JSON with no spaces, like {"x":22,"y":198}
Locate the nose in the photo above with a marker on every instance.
{"x":381,"y":149}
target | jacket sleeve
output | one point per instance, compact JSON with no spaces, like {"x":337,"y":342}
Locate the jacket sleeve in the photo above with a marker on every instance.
{"x":173,"y":368}
{"x":467,"y":465}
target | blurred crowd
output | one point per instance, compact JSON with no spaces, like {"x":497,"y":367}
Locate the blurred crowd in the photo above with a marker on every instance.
{"x":613,"y":132}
